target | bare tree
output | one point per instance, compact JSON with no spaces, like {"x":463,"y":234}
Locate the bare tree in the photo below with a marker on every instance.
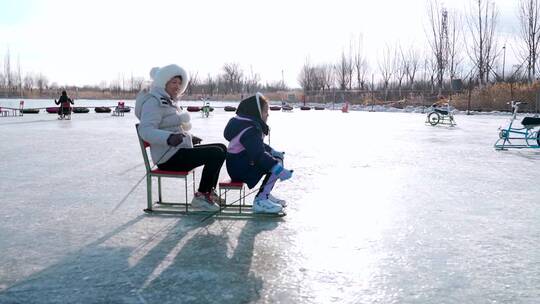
{"x":233,"y":77}
{"x":327,"y":76}
{"x":529,"y":12}
{"x":360,"y":66}
{"x":322,"y":77}
{"x":438,"y":38}
{"x":115,"y":85}
{"x":120,"y":83}
{"x":193,"y":82}
{"x":251,"y":81}
{"x":350,"y":66}
{"x":28,"y":82}
{"x":54,"y":86}
{"x":221,"y":84}
{"x":275,"y":86}
{"x":102,"y":85}
{"x":454,"y":43}
{"x":137,"y":84}
{"x":386,"y":66}
{"x":429,"y":72}
{"x":411,"y":64}
{"x":482,"y":23}
{"x":18,"y":78}
{"x":318,"y":78}
{"x":344,"y":70}
{"x":398,"y":66}
{"x":2,"y":81}
{"x":42,"y":82}
{"x":7,"y":71}
{"x":306,"y":77}
{"x":210,"y":85}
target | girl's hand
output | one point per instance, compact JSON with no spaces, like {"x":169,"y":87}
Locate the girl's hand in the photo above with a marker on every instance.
{"x":282,"y":173}
{"x":277,"y":154}
{"x":285,"y":174}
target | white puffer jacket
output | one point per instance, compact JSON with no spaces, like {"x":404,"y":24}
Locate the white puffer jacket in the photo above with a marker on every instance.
{"x":159,"y":118}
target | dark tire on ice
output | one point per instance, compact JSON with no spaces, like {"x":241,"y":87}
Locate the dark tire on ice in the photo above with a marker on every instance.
{"x":434,"y":118}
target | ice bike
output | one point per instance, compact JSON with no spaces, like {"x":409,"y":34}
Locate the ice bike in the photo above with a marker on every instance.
{"x":205,"y":110}
{"x":439,"y":116}
{"x":64,"y":113}
{"x":527,"y":136}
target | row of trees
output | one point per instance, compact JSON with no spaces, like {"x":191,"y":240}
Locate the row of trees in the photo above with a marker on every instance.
{"x":453,"y":52}
{"x":232,"y":80}
{"x":14,"y":83}
{"x":12,"y":80}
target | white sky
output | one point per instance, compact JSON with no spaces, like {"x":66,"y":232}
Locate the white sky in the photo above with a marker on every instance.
{"x":86,"y":42}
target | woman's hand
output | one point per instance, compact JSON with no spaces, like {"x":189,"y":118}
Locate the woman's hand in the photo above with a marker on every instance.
{"x":175,"y":139}
{"x":195,"y":140}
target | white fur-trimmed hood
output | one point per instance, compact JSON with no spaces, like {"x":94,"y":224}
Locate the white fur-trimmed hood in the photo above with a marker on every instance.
{"x":161,"y":76}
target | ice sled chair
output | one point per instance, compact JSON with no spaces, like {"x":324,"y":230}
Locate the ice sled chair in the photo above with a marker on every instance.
{"x":519,"y":138}
{"x":4,"y":112}
{"x":119,"y":109}
{"x":237,"y":206}
{"x":160,"y":205}
{"x":228,"y":186}
{"x":234,"y":208}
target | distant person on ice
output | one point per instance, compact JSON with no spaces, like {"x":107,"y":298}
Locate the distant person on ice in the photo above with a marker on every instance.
{"x":249,"y":158}
{"x":65,"y":104}
{"x":166,"y":130}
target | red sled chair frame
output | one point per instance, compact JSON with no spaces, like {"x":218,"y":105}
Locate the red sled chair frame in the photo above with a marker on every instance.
{"x":160,"y":205}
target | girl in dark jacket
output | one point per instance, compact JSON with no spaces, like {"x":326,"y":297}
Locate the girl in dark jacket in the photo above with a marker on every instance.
{"x":249,"y":158}
{"x":65,"y":105}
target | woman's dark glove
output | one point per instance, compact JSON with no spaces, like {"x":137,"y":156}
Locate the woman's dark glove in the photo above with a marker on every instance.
{"x":196,"y":140}
{"x":175,"y":139}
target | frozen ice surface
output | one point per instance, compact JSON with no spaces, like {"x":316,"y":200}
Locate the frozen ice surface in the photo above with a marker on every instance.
{"x":382,"y":209}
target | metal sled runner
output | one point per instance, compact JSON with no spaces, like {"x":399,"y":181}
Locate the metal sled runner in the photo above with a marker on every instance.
{"x":527,"y":137}
{"x":238,"y":207}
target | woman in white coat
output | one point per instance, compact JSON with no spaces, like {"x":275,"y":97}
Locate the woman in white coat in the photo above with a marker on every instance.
{"x":166,"y":129}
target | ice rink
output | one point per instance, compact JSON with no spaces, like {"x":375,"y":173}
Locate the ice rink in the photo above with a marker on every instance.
{"x":382,"y":209}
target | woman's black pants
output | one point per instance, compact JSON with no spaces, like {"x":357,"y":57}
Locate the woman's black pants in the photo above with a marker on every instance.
{"x":211,"y":156}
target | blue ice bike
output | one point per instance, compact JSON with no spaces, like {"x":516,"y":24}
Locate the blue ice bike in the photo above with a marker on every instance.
{"x":440,"y":115}
{"x":527,"y":136}
{"x":206,"y":108}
